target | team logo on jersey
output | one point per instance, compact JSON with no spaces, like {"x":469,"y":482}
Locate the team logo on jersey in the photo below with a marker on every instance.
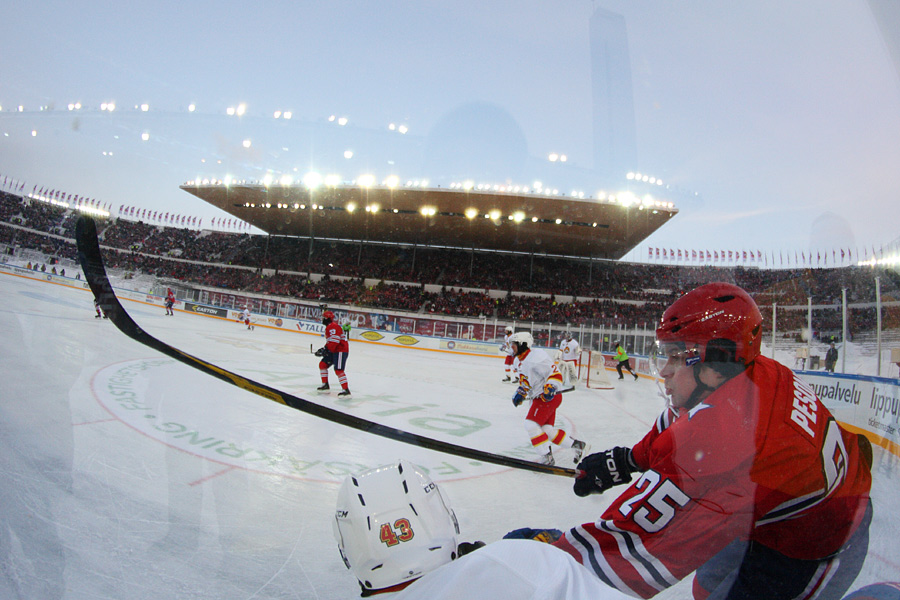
{"x":406,"y":340}
{"x":372,"y":336}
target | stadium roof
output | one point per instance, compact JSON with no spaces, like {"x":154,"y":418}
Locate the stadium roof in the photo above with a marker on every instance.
{"x":456,"y":217}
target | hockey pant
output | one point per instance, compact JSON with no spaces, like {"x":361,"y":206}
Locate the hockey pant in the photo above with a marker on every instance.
{"x":540,"y":425}
{"x":745,"y":570}
{"x":508,"y":364}
{"x":339,"y":361}
{"x":623,"y":364}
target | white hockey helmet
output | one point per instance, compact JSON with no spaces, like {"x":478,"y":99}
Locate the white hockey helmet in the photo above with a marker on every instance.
{"x":522,"y":337}
{"x":393,"y":525}
{"x":509,"y":329}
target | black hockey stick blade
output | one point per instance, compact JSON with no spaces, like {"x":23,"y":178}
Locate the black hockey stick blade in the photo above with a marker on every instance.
{"x":95,"y":273}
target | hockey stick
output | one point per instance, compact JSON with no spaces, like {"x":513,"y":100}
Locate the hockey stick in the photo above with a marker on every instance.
{"x":95,"y":273}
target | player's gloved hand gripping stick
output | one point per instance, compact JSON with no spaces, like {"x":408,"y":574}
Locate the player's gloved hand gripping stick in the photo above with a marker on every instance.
{"x":603,"y":470}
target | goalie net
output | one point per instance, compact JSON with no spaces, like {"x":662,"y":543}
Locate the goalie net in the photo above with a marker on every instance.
{"x":592,"y":370}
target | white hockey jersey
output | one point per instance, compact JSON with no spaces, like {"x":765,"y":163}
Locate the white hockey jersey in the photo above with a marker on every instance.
{"x":570,"y":349}
{"x":520,"y":569}
{"x":536,"y":369}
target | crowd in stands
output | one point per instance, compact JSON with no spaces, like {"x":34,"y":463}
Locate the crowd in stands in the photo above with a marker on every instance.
{"x":606,"y":292}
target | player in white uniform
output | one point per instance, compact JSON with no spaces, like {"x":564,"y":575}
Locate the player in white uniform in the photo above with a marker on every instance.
{"x":245,"y":317}
{"x":508,"y":362}
{"x":396,"y":532}
{"x":568,"y":361}
{"x":539,"y":384}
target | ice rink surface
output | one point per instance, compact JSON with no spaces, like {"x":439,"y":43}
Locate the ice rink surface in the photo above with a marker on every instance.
{"x":127,"y":475}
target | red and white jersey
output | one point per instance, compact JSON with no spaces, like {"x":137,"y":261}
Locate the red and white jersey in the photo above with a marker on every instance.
{"x":336,"y":338}
{"x":570,"y":349}
{"x":536,"y":368}
{"x":170,"y":296}
{"x":245,"y":315}
{"x":760,"y":459}
{"x":507,"y":345}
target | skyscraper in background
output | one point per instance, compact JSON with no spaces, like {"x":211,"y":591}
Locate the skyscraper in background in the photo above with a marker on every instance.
{"x":615,"y":147}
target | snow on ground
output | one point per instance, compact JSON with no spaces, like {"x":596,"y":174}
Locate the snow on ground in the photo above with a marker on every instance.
{"x":129,"y":475}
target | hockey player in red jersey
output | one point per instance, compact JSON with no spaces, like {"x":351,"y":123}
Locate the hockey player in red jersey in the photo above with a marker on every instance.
{"x":333,"y":353}
{"x":746,"y":478}
{"x":170,"y":302}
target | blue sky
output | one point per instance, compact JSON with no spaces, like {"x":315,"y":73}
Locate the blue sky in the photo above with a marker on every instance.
{"x":779,"y":123}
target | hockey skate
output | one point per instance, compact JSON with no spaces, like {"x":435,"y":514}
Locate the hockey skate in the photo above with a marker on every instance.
{"x":635,"y":376}
{"x":506,"y":379}
{"x":580,"y":449}
{"x":324,"y":387}
{"x":344,"y":393}
{"x":547,"y":459}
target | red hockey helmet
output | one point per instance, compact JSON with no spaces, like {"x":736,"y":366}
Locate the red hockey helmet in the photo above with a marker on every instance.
{"x":720,"y":320}
{"x":328,"y":316}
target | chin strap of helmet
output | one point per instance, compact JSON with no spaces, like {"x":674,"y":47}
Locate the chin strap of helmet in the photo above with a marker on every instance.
{"x":701,"y":389}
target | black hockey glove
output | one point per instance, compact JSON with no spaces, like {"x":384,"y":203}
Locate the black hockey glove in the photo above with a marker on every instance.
{"x":467,"y":547}
{"x":321,"y":352}
{"x":603,"y":470}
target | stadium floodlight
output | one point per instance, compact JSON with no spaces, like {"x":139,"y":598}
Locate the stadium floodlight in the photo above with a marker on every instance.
{"x":286,"y":180}
{"x":626,"y":199}
{"x":351,"y":207}
{"x":403,"y":129}
{"x":145,"y":107}
{"x":312,"y":180}
{"x":192,"y":107}
{"x":495,"y":214}
{"x":332,"y":180}
{"x":287,"y":115}
{"x":366,"y":180}
{"x":428,"y":211}
{"x":342,"y":121}
{"x":348,"y":154}
{"x":553,"y":157}
{"x":471,"y":213}
{"x":246,"y":143}
{"x":267,"y":180}
{"x":468,"y":184}
{"x":241,"y":109}
{"x":518,"y":216}
{"x":392,"y":181}
{"x":145,"y":136}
